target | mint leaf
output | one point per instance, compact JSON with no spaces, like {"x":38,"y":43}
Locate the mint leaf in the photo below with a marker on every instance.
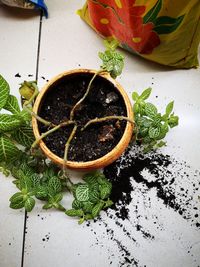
{"x":12,"y":105}
{"x":29,"y":204}
{"x":7,"y":149}
{"x":82,"y":192}
{"x":4,"y":92}
{"x":9,"y":122}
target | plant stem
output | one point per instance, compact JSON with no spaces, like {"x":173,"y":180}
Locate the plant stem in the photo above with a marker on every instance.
{"x":36,"y":92}
{"x":55,"y":128}
{"x":98,"y":120}
{"x":45,"y":122}
{"x":67,"y":148}
{"x":85,"y":95}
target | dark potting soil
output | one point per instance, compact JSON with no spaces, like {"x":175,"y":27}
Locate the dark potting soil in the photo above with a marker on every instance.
{"x":103,"y":100}
{"x":145,"y":187}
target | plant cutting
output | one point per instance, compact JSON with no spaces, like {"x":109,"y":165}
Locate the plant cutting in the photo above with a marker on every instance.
{"x":38,"y":178}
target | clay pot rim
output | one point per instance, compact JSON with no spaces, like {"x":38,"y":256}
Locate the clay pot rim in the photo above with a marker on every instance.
{"x":110,"y":156}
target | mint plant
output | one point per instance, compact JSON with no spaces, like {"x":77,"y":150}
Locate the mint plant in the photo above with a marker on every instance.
{"x":150,"y":125}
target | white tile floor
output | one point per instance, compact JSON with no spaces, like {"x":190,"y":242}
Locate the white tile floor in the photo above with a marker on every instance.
{"x":51,"y":239}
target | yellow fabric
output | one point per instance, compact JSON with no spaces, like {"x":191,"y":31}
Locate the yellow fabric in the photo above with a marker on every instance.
{"x":178,"y":48}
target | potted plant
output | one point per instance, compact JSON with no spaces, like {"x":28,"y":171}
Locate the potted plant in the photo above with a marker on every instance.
{"x":93,"y":106}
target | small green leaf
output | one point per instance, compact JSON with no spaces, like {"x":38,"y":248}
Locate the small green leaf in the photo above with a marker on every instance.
{"x":136,"y":108}
{"x":169,"y":108}
{"x":8,"y":150}
{"x":4,"y":92}
{"x":17,"y":197}
{"x":88,"y":217}
{"x":150,"y":110}
{"x":94,"y":194}
{"x":97,"y":208}
{"x":57,"y":198}
{"x":25,"y":116}
{"x":18,"y":205}
{"x":152,"y":14}
{"x":91,"y":178}
{"x":154,"y":132}
{"x":105,"y":190}
{"x":41,"y":192}
{"x":12,"y":105}
{"x":108,"y":203}
{"x":81,"y":220}
{"x":29,"y":204}
{"x":161,"y":144}
{"x":9,"y":122}
{"x":76,"y":204}
{"x":173,"y":121}
{"x":145,"y":94}
{"x":88,"y":206}
{"x":135,"y":96}
{"x":24,"y":136}
{"x":74,"y":213}
{"x":54,"y":186}
{"x":47,"y":206}
{"x":82,"y":192}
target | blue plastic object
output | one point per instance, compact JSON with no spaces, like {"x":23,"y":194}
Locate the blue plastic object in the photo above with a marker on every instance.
{"x":40,"y":4}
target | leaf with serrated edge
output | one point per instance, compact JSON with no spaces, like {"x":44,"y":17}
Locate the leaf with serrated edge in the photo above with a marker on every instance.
{"x":9,"y":122}
{"x":7,"y":149}
{"x":12,"y":105}
{"x":4,"y":92}
{"x":82,"y":192}
{"x":24,"y":136}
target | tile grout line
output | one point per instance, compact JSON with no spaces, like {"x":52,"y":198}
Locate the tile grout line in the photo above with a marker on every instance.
{"x":36,"y":78}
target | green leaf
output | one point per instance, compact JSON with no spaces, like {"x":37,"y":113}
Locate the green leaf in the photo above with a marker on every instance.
{"x":168,"y":28}
{"x":94,"y":194}
{"x":108,"y":203}
{"x":9,"y":122}
{"x":97,"y":208}
{"x":76,"y":204}
{"x":17,"y":198}
{"x":88,"y":206}
{"x":54,"y":186}
{"x":25,"y":116}
{"x":29,"y":204}
{"x":150,"y":110}
{"x":88,"y":217}
{"x":12,"y":105}
{"x":35,"y":178}
{"x":135,"y":96}
{"x":82,"y":192}
{"x":145,"y":94}
{"x":91,"y":178}
{"x":173,"y":121}
{"x":169,"y":108}
{"x":4,"y":92}
{"x":18,"y":205}
{"x":161,"y":144}
{"x":154,"y":132}
{"x":24,"y":136}
{"x":105,"y":190}
{"x":41,"y":192}
{"x":74,"y":213}
{"x":81,"y":220}
{"x":8,"y":150}
{"x":165,"y":20}
{"x":47,"y":206}
{"x":143,"y":122}
{"x":153,"y":13}
{"x":57,"y":198}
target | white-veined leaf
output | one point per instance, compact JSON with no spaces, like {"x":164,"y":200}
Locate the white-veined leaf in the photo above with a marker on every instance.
{"x":82,"y":192}
{"x":24,"y":136}
{"x":29,"y":204}
{"x":154,"y":132}
{"x":7,"y":149}
{"x":150,"y":110}
{"x":12,"y":105}
{"x":54,"y":186}
{"x":9,"y":122}
{"x":97,"y":208}
{"x":4,"y":91}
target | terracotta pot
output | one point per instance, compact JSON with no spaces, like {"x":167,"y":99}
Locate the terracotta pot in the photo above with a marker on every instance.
{"x":100,"y":162}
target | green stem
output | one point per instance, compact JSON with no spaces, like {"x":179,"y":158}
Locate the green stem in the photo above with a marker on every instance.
{"x":85,"y":95}
{"x":66,"y":152}
{"x":45,"y":122}
{"x":98,"y":120}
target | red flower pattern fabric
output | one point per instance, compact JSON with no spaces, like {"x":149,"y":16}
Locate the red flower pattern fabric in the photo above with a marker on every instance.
{"x":124,"y":21}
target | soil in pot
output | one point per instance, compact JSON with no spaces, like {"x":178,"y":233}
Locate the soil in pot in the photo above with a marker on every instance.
{"x":103,"y":100}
